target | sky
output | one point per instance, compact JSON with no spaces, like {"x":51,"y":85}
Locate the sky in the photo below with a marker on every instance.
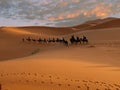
{"x":55,"y":12}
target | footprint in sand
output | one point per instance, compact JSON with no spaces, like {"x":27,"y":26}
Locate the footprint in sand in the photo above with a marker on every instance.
{"x":35,"y":81}
{"x":59,"y":84}
{"x":42,"y":75}
{"x":51,"y":82}
{"x":78,"y":87}
{"x":35,"y":74}
{"x":78,"y":84}
{"x":27,"y":81}
{"x":29,"y":74}
{"x":58,"y":77}
{"x":1,"y":75}
{"x":97,"y":89}
{"x":68,"y":85}
{"x":76,"y":80}
{"x":50,"y":76}
{"x":42,"y":82}
{"x":117,"y":89}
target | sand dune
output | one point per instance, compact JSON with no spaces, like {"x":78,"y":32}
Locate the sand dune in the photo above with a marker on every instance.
{"x":112,"y":23}
{"x":48,"y":30}
{"x":15,"y":30}
{"x":35,"y":66}
{"x":99,"y":24}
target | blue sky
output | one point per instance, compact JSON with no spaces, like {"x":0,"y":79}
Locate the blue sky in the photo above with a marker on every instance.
{"x":55,"y":12}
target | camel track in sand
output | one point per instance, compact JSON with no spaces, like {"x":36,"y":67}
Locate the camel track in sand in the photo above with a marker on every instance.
{"x":40,"y":80}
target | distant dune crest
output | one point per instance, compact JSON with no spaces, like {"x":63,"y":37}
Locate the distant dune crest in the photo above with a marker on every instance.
{"x":99,"y":24}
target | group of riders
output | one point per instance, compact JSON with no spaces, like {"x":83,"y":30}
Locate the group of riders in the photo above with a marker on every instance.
{"x":72,"y":40}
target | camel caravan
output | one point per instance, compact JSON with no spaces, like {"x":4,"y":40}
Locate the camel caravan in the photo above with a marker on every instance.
{"x":72,"y":40}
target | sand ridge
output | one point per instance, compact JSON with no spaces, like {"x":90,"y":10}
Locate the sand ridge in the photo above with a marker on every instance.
{"x":54,"y":67}
{"x":15,"y":30}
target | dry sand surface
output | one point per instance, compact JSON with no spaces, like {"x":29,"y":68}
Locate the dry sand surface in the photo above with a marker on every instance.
{"x":34,"y":66}
{"x":99,"y":24}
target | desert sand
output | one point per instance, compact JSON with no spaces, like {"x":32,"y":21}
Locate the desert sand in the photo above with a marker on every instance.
{"x":34,"y":66}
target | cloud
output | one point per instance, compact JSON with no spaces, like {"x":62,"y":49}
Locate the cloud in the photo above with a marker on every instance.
{"x":58,"y":11}
{"x":100,"y":10}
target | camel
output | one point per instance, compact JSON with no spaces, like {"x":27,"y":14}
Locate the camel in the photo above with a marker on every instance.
{"x":23,"y":40}
{"x":28,"y":39}
{"x":49,"y":40}
{"x":57,"y":40}
{"x":77,"y":40}
{"x":39,"y":40}
{"x":84,"y":40}
{"x":64,"y":41}
{"x":44,"y":40}
{"x":72,"y":39}
{"x":33,"y":40}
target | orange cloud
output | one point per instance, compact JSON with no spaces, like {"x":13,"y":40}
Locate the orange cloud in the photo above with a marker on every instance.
{"x":65,"y":16}
{"x":102,"y":10}
{"x":73,"y":15}
{"x":86,"y":13}
{"x":60,"y":17}
{"x":51,"y":18}
{"x":76,"y":1}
